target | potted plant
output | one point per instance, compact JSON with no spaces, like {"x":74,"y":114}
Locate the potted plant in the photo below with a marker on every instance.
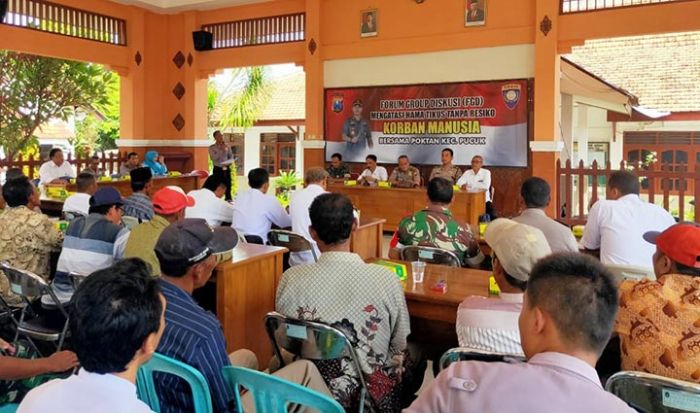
{"x":285,"y":183}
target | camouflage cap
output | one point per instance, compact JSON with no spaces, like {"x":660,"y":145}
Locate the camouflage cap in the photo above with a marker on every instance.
{"x":517,"y":246}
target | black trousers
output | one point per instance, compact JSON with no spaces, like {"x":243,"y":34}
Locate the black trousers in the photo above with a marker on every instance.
{"x":226,"y":175}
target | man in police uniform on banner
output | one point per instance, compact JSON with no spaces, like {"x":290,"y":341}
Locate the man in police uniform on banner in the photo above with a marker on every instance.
{"x":356,"y":133}
{"x":221,"y":156}
{"x":405,"y":175}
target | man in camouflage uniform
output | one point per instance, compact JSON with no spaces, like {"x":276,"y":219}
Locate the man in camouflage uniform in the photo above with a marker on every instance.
{"x":436,"y":227}
{"x":405,"y":175}
{"x":337,"y":169}
{"x":446,"y":170}
{"x":27,"y":237}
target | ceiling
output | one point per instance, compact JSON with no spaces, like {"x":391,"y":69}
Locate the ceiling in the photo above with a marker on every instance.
{"x":175,"y":6}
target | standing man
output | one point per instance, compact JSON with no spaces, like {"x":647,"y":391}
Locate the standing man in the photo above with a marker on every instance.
{"x":220,"y":153}
{"x":55,"y":170}
{"x":478,"y":179}
{"x":338,"y":170}
{"x":315,"y":181}
{"x":405,"y":175}
{"x":373,"y":173}
{"x":132,"y":162}
{"x":356,"y":132}
{"x":446,"y":170}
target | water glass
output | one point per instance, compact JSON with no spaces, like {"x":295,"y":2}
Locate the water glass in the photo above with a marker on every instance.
{"x":418,"y":271}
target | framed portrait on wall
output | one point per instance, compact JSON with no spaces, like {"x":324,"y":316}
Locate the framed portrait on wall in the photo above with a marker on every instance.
{"x":368,"y":23}
{"x":474,"y":12}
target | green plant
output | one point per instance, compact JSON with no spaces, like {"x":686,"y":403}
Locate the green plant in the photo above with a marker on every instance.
{"x":285,"y":182}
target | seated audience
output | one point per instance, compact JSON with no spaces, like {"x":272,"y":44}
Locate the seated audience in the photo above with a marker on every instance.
{"x":11,"y":174}
{"x":536,"y":197}
{"x":315,"y":180}
{"x":13,"y":370}
{"x":337,"y":169}
{"x":156,"y":163}
{"x":615,"y":226}
{"x":169,"y":204}
{"x":209,"y":204}
{"x":657,"y":322}
{"x":91,"y":243}
{"x":27,"y":238}
{"x":371,"y":310}
{"x":132,"y":162}
{"x":55,"y":170}
{"x":566,"y":321}
{"x":193,"y":335}
{"x":115,"y":324}
{"x":94,"y":166}
{"x":373,"y":173}
{"x":79,"y":203}
{"x":446,"y":170}
{"x":139,"y":204}
{"x":405,"y":175}
{"x":478,"y":179}
{"x":488,"y":324}
{"x":435,"y":226}
{"x":254,"y":212}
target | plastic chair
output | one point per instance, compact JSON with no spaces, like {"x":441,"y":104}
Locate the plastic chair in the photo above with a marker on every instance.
{"x":312,"y":340}
{"x":464,"y":354}
{"x":159,"y":363}
{"x":30,"y":286}
{"x":630,"y":272}
{"x":649,"y":393}
{"x":9,"y":408}
{"x":290,"y":240}
{"x":273,"y":394}
{"x":430,"y":255}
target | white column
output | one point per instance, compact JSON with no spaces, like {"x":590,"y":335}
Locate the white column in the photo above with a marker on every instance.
{"x":567,"y":128}
{"x":581,"y":133}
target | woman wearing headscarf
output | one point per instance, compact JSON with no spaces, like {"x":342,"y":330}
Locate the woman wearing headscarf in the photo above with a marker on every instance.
{"x":156,"y":163}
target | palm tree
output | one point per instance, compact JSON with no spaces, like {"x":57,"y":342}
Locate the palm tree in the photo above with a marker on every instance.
{"x":241,"y":101}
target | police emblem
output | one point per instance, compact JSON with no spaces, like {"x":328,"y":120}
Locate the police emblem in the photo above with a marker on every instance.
{"x":337,"y":104}
{"x":511,"y":95}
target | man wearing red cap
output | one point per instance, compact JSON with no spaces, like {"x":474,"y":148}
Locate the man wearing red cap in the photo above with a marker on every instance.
{"x":169,"y":205}
{"x":657,"y":319}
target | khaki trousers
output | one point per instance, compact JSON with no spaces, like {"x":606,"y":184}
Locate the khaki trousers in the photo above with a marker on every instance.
{"x":302,"y":372}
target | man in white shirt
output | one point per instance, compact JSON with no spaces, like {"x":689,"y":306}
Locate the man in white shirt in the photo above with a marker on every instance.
{"x":315,"y":181}
{"x":116,"y":328}
{"x":79,"y":203}
{"x":478,"y":179}
{"x":536,"y":196}
{"x":492,"y":324}
{"x":373,"y":173}
{"x":55,"y":170}
{"x":616,"y":225}
{"x":254,"y":212}
{"x":209,"y":204}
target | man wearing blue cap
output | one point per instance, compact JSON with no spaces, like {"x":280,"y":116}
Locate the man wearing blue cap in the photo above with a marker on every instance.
{"x":91,"y":243}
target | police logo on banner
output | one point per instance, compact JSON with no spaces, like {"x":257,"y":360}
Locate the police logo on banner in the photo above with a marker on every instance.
{"x":337,"y":104}
{"x":511,"y":95}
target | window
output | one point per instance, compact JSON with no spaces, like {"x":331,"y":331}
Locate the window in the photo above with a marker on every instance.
{"x":278,"y":152}
{"x":237,"y":143}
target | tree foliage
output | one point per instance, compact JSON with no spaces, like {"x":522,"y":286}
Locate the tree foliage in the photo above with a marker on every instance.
{"x":241,"y":101}
{"x":34,"y":89}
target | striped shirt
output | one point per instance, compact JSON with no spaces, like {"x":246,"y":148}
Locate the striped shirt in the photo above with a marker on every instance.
{"x":490,"y":324}
{"x":140,"y":206}
{"x":195,"y":337}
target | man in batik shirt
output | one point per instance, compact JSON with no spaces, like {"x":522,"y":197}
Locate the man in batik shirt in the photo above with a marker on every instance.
{"x":365,"y":301}
{"x":436,"y":227}
{"x":405,"y":175}
{"x":658,"y":320}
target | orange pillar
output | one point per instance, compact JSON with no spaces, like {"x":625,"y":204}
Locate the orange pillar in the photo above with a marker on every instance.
{"x":546,"y":145}
{"x":314,"y":142}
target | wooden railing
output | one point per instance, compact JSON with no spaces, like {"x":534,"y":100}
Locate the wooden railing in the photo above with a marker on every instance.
{"x":582,"y":186}
{"x":574,"y":6}
{"x":252,"y":32}
{"x":67,"y":21}
{"x":109,"y":164}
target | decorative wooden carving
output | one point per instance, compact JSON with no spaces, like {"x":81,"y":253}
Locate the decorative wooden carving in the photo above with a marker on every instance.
{"x":312,"y":46}
{"x":190,"y":59}
{"x":545,"y":25}
{"x":179,"y":91}
{"x":179,"y":59}
{"x":138,"y":59}
{"x":179,"y":122}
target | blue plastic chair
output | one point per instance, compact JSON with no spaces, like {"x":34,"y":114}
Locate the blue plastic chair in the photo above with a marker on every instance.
{"x":9,"y":408}
{"x":273,"y":394}
{"x":161,"y":364}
